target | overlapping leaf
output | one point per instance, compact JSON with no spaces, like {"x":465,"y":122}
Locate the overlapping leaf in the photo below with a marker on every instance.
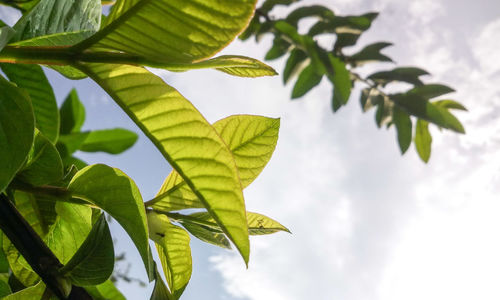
{"x":172,"y":243}
{"x":113,"y":191}
{"x":33,"y":80}
{"x":17,"y":127}
{"x":179,"y":31}
{"x":251,"y":139}
{"x":189,"y":143}
{"x":105,"y":291}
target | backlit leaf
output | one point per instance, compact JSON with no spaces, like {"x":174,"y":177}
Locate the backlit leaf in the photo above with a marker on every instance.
{"x":423,"y":140}
{"x":72,"y":113}
{"x":6,"y":33}
{"x":189,"y":143}
{"x":172,"y":243}
{"x":105,"y":291}
{"x":113,"y":141}
{"x":178,"y":31}
{"x":113,"y":191}
{"x":206,"y":235}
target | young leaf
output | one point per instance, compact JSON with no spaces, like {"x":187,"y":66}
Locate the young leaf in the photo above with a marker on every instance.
{"x":93,"y":263}
{"x":113,"y":141}
{"x":257,"y":224}
{"x":450,"y":104}
{"x":114,"y":192}
{"x":308,"y":79}
{"x":235,"y":65}
{"x":279,"y":48}
{"x":189,"y":143}
{"x":33,"y":80}
{"x":172,"y":243}
{"x":251,"y":139}
{"x":72,"y":113}
{"x":44,"y":165}
{"x":430,"y":91}
{"x":407,"y":74}
{"x":403,"y":125}
{"x":293,"y":63}
{"x":422,"y":108}
{"x":105,"y":291}
{"x":168,"y":38}
{"x":423,"y":140}
{"x":17,"y":127}
{"x":371,"y":53}
{"x":55,"y":16}
{"x":206,"y":235}
{"x":341,"y":81}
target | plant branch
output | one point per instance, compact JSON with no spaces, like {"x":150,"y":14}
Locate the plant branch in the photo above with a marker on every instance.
{"x":35,"y":251}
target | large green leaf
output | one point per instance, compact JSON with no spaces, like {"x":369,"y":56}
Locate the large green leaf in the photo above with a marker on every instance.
{"x":105,"y":291}
{"x":189,"y":143}
{"x":160,"y":292}
{"x":113,"y":191}
{"x":33,"y":80}
{"x":251,"y":139}
{"x":56,"y":16}
{"x":35,"y":292}
{"x":44,"y":165}
{"x":172,"y":243}
{"x":177,"y":30}
{"x":93,"y":263}
{"x":17,"y":127}
{"x":113,"y":141}
{"x":72,"y":113}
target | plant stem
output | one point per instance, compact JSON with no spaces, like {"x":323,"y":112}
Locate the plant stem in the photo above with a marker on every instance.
{"x":34,"y":250}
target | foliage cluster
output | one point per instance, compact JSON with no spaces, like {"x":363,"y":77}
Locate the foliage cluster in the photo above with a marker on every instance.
{"x":56,"y":241}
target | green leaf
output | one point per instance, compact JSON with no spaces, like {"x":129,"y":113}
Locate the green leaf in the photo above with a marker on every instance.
{"x":268,"y":5}
{"x":114,"y":192}
{"x":93,"y":263}
{"x":56,"y":16}
{"x":23,"y":5}
{"x":35,"y":292}
{"x":32,"y":79}
{"x":72,"y":113}
{"x":172,"y":243}
{"x":422,"y":108}
{"x":341,"y":81}
{"x":17,"y":127}
{"x":430,"y":91}
{"x":4,"y":285}
{"x":371,"y":53}
{"x":69,"y":143}
{"x":44,"y":165}
{"x":407,"y":74}
{"x":113,"y":141}
{"x":189,"y":143}
{"x":207,"y":235}
{"x":295,"y":60}
{"x":302,"y":12}
{"x":178,"y":31}
{"x":450,"y":104}
{"x":105,"y":291}
{"x":6,"y":34}
{"x":423,"y":140}
{"x":403,"y":125}
{"x":280,"y":47}
{"x":235,"y":65}
{"x":308,"y":79}
{"x":257,"y":224}
{"x":4,"y":263}
{"x":160,"y":291}
{"x":251,"y":139}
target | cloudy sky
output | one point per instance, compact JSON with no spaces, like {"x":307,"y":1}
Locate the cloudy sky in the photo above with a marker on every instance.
{"x":366,"y":222}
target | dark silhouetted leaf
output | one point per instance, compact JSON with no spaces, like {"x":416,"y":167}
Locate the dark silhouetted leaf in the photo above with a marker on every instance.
{"x":308,"y":79}
{"x":430,"y":91}
{"x":295,"y":60}
{"x":409,"y":74}
{"x":370,"y":53}
{"x":403,"y":125}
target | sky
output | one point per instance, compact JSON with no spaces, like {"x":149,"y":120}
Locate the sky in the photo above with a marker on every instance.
{"x":366,"y":222}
